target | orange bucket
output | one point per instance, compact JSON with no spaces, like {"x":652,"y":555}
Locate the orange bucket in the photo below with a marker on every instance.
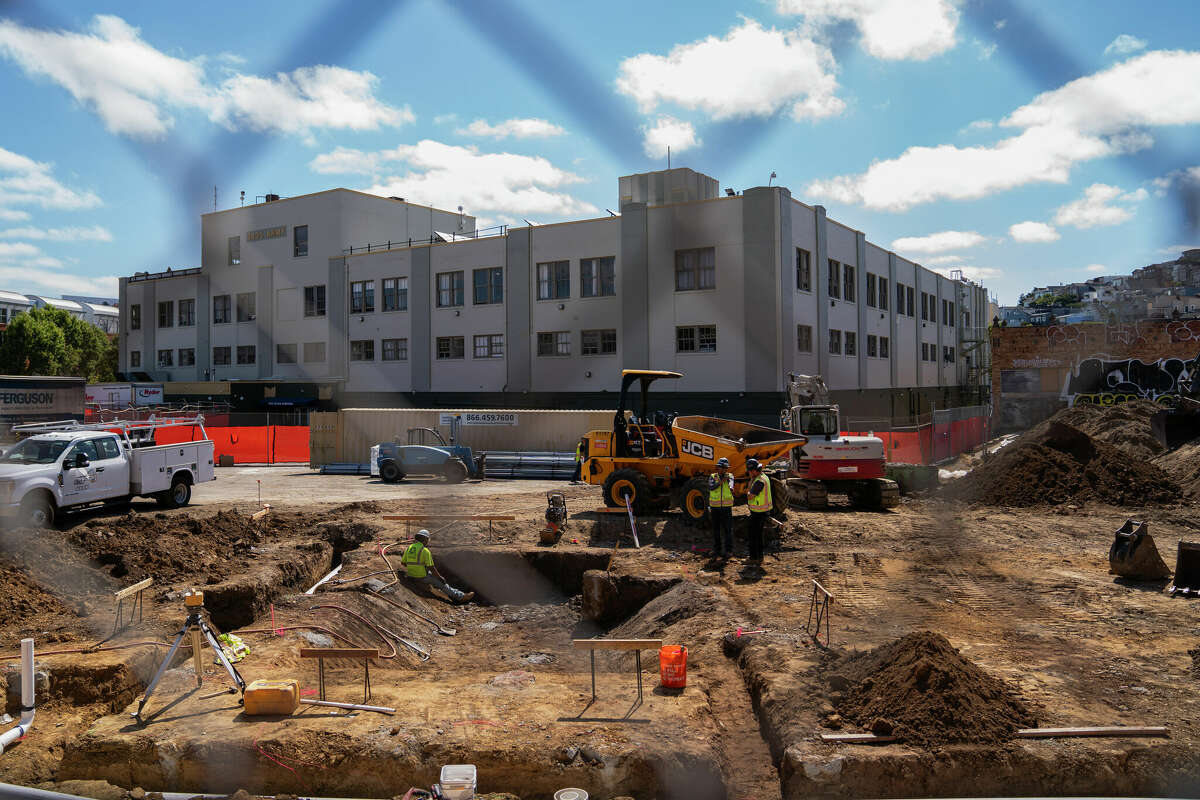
{"x":672,"y":666}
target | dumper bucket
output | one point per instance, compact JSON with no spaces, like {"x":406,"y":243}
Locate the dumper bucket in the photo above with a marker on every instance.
{"x":1133,"y":554}
{"x":1187,"y":570}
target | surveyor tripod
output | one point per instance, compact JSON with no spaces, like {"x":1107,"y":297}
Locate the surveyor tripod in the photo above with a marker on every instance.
{"x":196,"y":630}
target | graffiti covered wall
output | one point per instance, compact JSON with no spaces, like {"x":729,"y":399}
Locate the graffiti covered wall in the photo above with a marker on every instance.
{"x":1037,"y":370}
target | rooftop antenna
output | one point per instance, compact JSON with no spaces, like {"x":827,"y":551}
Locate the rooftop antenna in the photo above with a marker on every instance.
{"x":668,"y":156}
{"x":242,"y":200}
{"x":214,"y":197}
{"x":773,"y":176}
{"x":460,"y":218}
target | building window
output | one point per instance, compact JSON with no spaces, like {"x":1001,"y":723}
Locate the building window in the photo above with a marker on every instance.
{"x":803,"y":270}
{"x":187,"y":356}
{"x":449,"y":289}
{"x":314,"y":301}
{"x":235,"y":250}
{"x":804,"y":338}
{"x":924,"y":307}
{"x":246,"y":311}
{"x":899,"y":298}
{"x":949,"y":313}
{"x":871,"y":287}
{"x":911,"y":294}
{"x":835,"y":342}
{"x":451,"y":347}
{"x":599,"y":342}
{"x":221,"y":356}
{"x":948,"y":354}
{"x":835,"y":278}
{"x":395,"y":349}
{"x":598,"y":277}
{"x":285,"y":354}
{"x":554,"y":280}
{"x":135,"y":358}
{"x":362,"y":350}
{"x":166,"y":358}
{"x":872,"y":345}
{"x":884,"y":346}
{"x":851,"y":344}
{"x":135,"y":317}
{"x":246,"y":354}
{"x":695,"y":269}
{"x":187,"y":314}
{"x":489,"y":345}
{"x":300,"y":241}
{"x":362,"y":297}
{"x":848,"y":288}
{"x":221,"y":309}
{"x":883,"y":293}
{"x":488,"y":284}
{"x":395,"y":294}
{"x":696,"y":339}
{"x":554,"y":343}
{"x":166,"y":314}
{"x":314,"y":352}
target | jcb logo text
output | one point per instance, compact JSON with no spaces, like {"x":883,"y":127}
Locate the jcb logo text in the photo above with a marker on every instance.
{"x":696,"y":449}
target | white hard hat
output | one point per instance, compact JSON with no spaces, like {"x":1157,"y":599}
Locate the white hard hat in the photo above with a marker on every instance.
{"x":422,"y":534}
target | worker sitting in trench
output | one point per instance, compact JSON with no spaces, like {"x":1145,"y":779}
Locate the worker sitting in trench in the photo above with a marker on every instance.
{"x":418,"y":561}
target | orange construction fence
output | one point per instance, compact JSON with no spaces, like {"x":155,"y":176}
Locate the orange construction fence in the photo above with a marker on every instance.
{"x":264,"y":444}
{"x":932,"y":443}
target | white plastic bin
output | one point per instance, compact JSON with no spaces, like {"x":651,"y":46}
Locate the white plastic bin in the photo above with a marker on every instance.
{"x":458,"y":781}
{"x":374,"y":470}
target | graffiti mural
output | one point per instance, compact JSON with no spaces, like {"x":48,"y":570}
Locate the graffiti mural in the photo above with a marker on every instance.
{"x":1106,"y":381}
{"x":1128,"y":334}
{"x":1057,"y":335}
{"x":1184,"y":331}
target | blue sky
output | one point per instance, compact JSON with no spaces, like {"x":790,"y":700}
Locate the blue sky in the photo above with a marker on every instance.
{"x":1023,"y":142}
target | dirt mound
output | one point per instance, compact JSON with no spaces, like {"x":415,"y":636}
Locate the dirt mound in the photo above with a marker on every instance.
{"x":1057,"y":463}
{"x":1183,"y":465}
{"x":665,"y":613}
{"x":1125,"y":426}
{"x":27,"y":609}
{"x":922,"y":690}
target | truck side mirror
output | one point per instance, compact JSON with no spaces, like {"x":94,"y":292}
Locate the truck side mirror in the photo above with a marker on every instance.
{"x":81,"y":461}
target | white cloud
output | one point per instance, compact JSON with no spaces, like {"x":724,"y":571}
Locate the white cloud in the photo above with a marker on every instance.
{"x":442,"y":119}
{"x":18,"y":250}
{"x":1096,"y":209}
{"x":985,"y":49}
{"x":45,"y":279}
{"x":669,"y":132}
{"x":999,"y":24}
{"x":1124,"y":44}
{"x":26,"y":182}
{"x":134,"y":87}
{"x":974,"y":273}
{"x":517,"y":128}
{"x":979,"y":125}
{"x":941,"y":261}
{"x":1098,"y":268}
{"x":890,"y":29}
{"x":1096,"y":116}
{"x":96,"y":233}
{"x":938,"y":242}
{"x":13,"y":215}
{"x":1033,"y":232}
{"x":447,"y":176}
{"x":751,"y":71}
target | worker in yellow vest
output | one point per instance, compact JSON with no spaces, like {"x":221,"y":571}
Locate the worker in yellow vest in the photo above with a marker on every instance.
{"x":418,"y":562}
{"x":758,"y":497}
{"x":580,"y":457}
{"x":720,"y":508}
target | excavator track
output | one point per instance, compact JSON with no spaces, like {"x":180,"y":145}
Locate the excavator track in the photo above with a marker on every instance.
{"x":889,"y":493}
{"x":808,"y":494}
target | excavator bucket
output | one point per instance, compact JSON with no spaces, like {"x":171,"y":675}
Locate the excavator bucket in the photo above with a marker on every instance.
{"x":1133,"y":554}
{"x":1187,"y":570}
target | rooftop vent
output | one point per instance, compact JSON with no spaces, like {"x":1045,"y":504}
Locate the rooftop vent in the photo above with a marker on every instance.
{"x":271,"y":198}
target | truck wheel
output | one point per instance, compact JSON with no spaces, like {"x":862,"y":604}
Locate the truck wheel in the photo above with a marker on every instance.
{"x":627,"y":483}
{"x":454,"y":471}
{"x":389,"y":472}
{"x":37,"y":512}
{"x":180,"y":494}
{"x":693,"y":500}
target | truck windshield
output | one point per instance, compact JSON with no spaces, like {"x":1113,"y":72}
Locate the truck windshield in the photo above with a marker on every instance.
{"x":35,"y":451}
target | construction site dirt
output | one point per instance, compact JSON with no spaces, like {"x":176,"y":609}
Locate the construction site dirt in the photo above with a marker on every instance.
{"x":1017,"y":622}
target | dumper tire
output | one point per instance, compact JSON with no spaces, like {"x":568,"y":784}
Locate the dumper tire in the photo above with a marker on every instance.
{"x":178,"y":496}
{"x":38,"y":511}
{"x":454,"y":471}
{"x":780,"y":498}
{"x":631,"y":482}
{"x":693,"y":501}
{"x":390,"y":472}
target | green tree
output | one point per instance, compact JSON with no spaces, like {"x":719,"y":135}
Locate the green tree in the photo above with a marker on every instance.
{"x":49,"y":341}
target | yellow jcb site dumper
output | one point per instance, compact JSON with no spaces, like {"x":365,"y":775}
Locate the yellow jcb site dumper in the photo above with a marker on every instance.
{"x":661,"y":461}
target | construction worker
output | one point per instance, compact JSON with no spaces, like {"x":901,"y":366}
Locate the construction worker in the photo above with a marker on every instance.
{"x":418,"y":561}
{"x":720,"y":508}
{"x":758,"y":497}
{"x":580,"y":457}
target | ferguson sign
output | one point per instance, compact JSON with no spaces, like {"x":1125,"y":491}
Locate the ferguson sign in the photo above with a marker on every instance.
{"x":40,"y":398}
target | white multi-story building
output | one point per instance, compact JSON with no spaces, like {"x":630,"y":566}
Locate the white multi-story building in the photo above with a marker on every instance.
{"x":733,"y":290}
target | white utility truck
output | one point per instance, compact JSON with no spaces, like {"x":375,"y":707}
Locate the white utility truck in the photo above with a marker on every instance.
{"x":63,"y":466}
